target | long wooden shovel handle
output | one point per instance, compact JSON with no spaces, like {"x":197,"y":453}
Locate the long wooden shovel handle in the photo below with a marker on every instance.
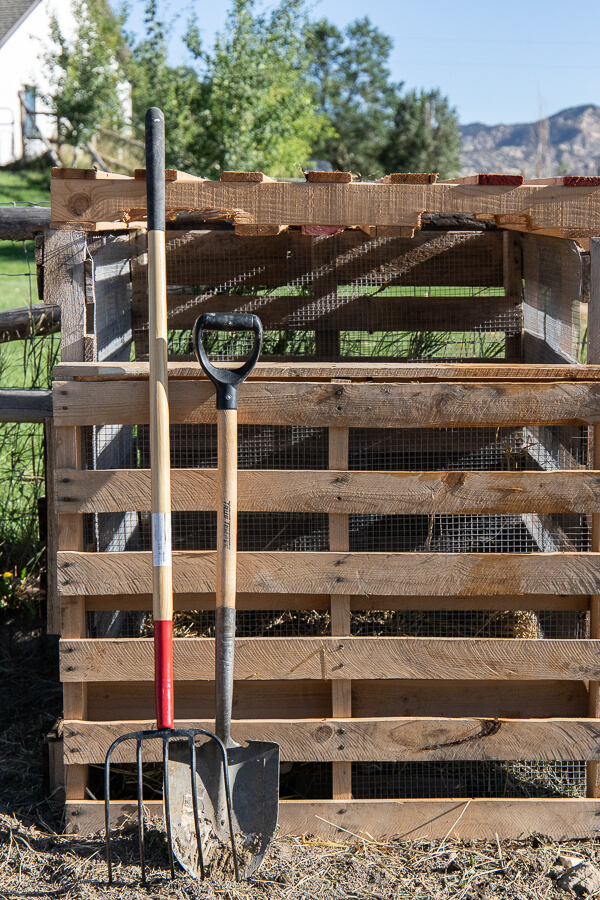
{"x":226,"y":382}
{"x":162,"y":571}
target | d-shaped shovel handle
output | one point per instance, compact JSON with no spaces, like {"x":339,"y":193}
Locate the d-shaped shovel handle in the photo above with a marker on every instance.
{"x":227,"y":381}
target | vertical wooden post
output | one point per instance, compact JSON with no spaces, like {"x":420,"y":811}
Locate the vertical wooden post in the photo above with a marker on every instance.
{"x":341,"y":690}
{"x":512,"y":257}
{"x":593,"y":358}
{"x":70,"y":537}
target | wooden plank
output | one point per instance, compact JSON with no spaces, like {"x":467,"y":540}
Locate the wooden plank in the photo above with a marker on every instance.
{"x":266,"y":601}
{"x":86,"y":174}
{"x":170,"y":175}
{"x":340,"y":492}
{"x":490,"y":179}
{"x":369,"y":312}
{"x":84,"y":203}
{"x":593,"y":356}
{"x":341,"y":691}
{"x":246,"y":177}
{"x":480,"y":371}
{"x":513,"y":289}
{"x":433,"y":574}
{"x":196,"y":699}
{"x":259,"y":231}
{"x":414,"y":820}
{"x":344,"y":405}
{"x":67,"y":449}
{"x":107,"y":701}
{"x":317,"y":177}
{"x":64,"y":286}
{"x":332,"y":658}
{"x":53,"y":618}
{"x":336,"y":739}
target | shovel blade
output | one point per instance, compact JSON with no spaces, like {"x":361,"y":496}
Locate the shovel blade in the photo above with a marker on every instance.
{"x":254,"y":784}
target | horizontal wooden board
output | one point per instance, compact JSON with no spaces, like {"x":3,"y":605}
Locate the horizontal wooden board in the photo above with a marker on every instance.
{"x":197,"y":260}
{"x":424,"y":493}
{"x":377,"y":405}
{"x":84,"y":202}
{"x":409,"y":820}
{"x":416,"y":739}
{"x":288,"y":600}
{"x":369,"y":574}
{"x":372,"y":313}
{"x":334,"y":658}
{"x":314,"y":371}
{"x":107,"y":701}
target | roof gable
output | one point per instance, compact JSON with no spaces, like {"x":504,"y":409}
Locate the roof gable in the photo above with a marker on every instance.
{"x":12,"y":14}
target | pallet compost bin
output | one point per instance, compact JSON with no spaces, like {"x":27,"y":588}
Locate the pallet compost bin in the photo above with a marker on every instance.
{"x":419,"y":495}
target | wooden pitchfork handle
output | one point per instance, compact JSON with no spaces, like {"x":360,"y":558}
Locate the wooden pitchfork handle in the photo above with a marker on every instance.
{"x":162,"y":570}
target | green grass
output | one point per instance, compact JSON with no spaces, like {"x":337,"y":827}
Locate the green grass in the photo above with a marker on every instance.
{"x":22,"y":364}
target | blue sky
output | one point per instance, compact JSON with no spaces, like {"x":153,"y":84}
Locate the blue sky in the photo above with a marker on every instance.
{"x":497,"y":61}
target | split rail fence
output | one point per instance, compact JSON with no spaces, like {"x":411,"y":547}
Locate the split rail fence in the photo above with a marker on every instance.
{"x":419,"y":495}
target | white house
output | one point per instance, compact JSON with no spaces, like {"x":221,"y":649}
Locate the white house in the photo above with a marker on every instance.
{"x":24,"y":39}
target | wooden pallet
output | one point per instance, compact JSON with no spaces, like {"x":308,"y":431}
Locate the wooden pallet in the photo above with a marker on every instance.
{"x":264,"y":206}
{"x":344,"y":699}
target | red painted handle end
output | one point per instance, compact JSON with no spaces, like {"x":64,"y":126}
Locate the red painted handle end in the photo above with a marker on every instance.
{"x":163,"y":672}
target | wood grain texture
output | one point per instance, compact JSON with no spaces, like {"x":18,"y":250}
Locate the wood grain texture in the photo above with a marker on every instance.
{"x":344,"y":405}
{"x":267,"y":601}
{"x":342,"y":741}
{"x":373,"y":313}
{"x":84,"y":203}
{"x":333,"y":658}
{"x":64,"y":286}
{"x":311,"y":371}
{"x":369,"y":574}
{"x":108,"y":701}
{"x":332,"y":820}
{"x":339,"y":492}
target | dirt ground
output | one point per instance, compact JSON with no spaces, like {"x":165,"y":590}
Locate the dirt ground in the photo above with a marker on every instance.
{"x":37,"y":860}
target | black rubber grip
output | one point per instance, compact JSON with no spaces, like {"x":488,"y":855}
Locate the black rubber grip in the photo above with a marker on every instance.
{"x":155,"y":169}
{"x":230,"y":322}
{"x":227,"y":381}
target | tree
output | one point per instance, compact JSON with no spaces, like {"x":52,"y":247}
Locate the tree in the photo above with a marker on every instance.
{"x":155,"y":83}
{"x":425,"y":136}
{"x":353,"y":88}
{"x":87,"y":90}
{"x":255,"y":108}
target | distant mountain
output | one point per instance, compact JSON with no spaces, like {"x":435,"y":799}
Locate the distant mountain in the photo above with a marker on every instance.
{"x":566,"y":143}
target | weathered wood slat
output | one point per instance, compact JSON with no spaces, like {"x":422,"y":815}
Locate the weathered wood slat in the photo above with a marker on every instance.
{"x":84,"y":203}
{"x":394,"y":819}
{"x":375,"y":313}
{"x":346,"y":740}
{"x":107,"y":701}
{"x":342,"y":492}
{"x":314,"y":371}
{"x":346,"y":405}
{"x":288,"y":600}
{"x":370,"y":574}
{"x":332,"y":658}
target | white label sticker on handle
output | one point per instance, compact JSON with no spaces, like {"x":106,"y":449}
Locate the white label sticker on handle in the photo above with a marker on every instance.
{"x":161,"y":539}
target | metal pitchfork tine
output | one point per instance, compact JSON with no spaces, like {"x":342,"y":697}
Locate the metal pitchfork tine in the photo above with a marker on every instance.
{"x":165,"y":735}
{"x":162,"y":571}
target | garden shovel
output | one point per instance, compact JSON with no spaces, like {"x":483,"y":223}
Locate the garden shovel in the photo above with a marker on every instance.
{"x":253,"y":769}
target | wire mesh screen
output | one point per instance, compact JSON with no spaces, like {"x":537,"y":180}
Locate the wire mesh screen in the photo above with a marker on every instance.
{"x":552,"y":272}
{"x":520,"y":778}
{"x":343,"y":296}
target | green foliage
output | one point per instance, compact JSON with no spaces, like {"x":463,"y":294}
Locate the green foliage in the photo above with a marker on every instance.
{"x":353,"y":88}
{"x":86,"y":89}
{"x":255,"y":107}
{"x":155,"y":83}
{"x":425,"y":136}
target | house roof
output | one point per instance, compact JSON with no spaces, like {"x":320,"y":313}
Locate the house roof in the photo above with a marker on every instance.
{"x":12,"y":14}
